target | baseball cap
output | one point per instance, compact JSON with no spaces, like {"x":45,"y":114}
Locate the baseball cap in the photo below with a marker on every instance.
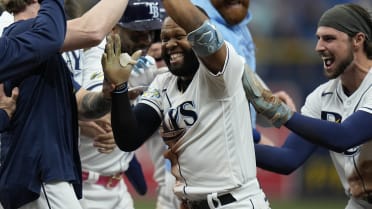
{"x":143,"y":15}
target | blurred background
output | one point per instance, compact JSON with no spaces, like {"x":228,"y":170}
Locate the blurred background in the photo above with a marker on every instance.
{"x":284,"y":34}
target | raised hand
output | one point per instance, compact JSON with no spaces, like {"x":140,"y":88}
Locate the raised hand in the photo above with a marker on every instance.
{"x":116,"y":66}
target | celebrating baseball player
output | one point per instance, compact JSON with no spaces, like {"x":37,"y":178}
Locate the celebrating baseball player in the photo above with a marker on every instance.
{"x":197,"y":106}
{"x":343,"y":105}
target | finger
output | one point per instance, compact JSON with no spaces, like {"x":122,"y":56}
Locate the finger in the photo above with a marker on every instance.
{"x":104,"y":62}
{"x":15,"y":93}
{"x":136,"y":55}
{"x":104,"y":137}
{"x":105,"y":151}
{"x":109,"y":46}
{"x":1,"y":87}
{"x":117,"y":44}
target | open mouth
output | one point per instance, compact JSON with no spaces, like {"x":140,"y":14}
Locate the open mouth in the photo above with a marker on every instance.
{"x":328,"y":61}
{"x":176,"y":58}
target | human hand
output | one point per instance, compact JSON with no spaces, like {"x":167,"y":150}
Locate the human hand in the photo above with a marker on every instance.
{"x":8,"y":104}
{"x":116,"y":66}
{"x":105,"y":143}
{"x":282,"y":95}
{"x":93,"y":128}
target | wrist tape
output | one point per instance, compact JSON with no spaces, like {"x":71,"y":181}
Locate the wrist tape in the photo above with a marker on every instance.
{"x":121,"y":88}
{"x":205,"y":40}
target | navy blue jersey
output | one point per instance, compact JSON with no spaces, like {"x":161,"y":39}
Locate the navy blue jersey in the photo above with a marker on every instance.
{"x":41,"y":141}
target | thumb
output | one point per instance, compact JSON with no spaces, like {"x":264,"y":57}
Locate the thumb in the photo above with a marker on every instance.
{"x":104,"y":60}
{"x":15,"y":93}
{"x":136,"y":55}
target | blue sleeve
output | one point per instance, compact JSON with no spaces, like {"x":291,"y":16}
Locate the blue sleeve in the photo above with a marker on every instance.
{"x":339,"y":137}
{"x":21,"y":53}
{"x":256,"y":136}
{"x":132,"y":126}
{"x":284,"y":160}
{"x":135,"y":176}
{"x":4,"y":120}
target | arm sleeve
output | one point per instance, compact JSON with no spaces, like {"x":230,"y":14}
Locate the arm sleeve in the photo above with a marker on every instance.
{"x":22,"y":52}
{"x":286,"y":159}
{"x":339,"y":137}
{"x":132,"y":127}
{"x":4,"y":120}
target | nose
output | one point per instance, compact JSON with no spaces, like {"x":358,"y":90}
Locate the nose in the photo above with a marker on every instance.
{"x":171,"y":43}
{"x":319,"y":46}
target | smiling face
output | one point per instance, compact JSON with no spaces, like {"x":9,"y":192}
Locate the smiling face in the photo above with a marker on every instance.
{"x":233,"y":11}
{"x":176,"y":50}
{"x":335,"y":49}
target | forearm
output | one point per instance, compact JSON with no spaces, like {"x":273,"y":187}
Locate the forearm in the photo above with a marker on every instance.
{"x":91,"y":28}
{"x":338,"y":137}
{"x":132,"y":126}
{"x":286,"y":159}
{"x":185,"y":14}
{"x":93,"y":105}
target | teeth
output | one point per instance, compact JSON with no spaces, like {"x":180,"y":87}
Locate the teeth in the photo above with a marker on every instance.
{"x":174,"y":56}
{"x":328,"y":62}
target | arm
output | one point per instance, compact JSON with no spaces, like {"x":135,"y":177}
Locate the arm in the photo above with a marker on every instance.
{"x":91,"y":105}
{"x":28,"y":49}
{"x":91,"y":28}
{"x":339,"y":137}
{"x":190,"y":18}
{"x":286,"y":159}
{"x":131,"y":128}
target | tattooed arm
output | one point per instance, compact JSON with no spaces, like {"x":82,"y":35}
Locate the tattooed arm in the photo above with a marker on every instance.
{"x":92,"y":105}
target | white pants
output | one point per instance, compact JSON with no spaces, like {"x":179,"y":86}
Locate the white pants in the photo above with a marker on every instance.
{"x":166,"y":197}
{"x":57,"y":195}
{"x":99,"y":197}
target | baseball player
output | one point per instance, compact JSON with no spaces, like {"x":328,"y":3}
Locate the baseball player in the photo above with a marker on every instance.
{"x":343,"y":105}
{"x":46,"y":112}
{"x":138,"y":32}
{"x":196,"y":106}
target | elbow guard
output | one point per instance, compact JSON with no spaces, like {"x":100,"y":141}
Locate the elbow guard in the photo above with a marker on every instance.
{"x":205,"y":40}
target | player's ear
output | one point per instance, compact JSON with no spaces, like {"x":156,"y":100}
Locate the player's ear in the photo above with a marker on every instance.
{"x":358,"y":40}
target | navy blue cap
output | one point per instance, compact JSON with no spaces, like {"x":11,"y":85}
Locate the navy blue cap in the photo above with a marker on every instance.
{"x":143,"y":15}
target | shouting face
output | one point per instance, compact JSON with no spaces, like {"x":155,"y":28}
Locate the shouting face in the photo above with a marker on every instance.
{"x":335,"y":49}
{"x":176,"y":50}
{"x":233,"y":11}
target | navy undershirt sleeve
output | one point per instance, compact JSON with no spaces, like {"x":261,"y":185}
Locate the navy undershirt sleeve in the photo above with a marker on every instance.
{"x":132,"y":126}
{"x":339,"y":137}
{"x":284,"y":160}
{"x":4,"y":120}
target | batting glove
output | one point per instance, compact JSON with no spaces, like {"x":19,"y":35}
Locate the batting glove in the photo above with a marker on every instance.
{"x":117,"y":66}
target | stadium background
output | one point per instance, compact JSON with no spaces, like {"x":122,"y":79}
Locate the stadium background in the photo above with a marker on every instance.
{"x":284,"y":33}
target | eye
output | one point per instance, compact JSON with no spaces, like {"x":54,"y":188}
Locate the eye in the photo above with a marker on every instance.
{"x":180,"y":37}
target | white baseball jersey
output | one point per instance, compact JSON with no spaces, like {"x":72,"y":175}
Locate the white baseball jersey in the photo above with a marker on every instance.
{"x":329,"y":102}
{"x":215,"y":153}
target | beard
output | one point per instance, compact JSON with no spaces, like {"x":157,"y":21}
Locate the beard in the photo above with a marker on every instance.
{"x":341,"y":67}
{"x":187,"y":68}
